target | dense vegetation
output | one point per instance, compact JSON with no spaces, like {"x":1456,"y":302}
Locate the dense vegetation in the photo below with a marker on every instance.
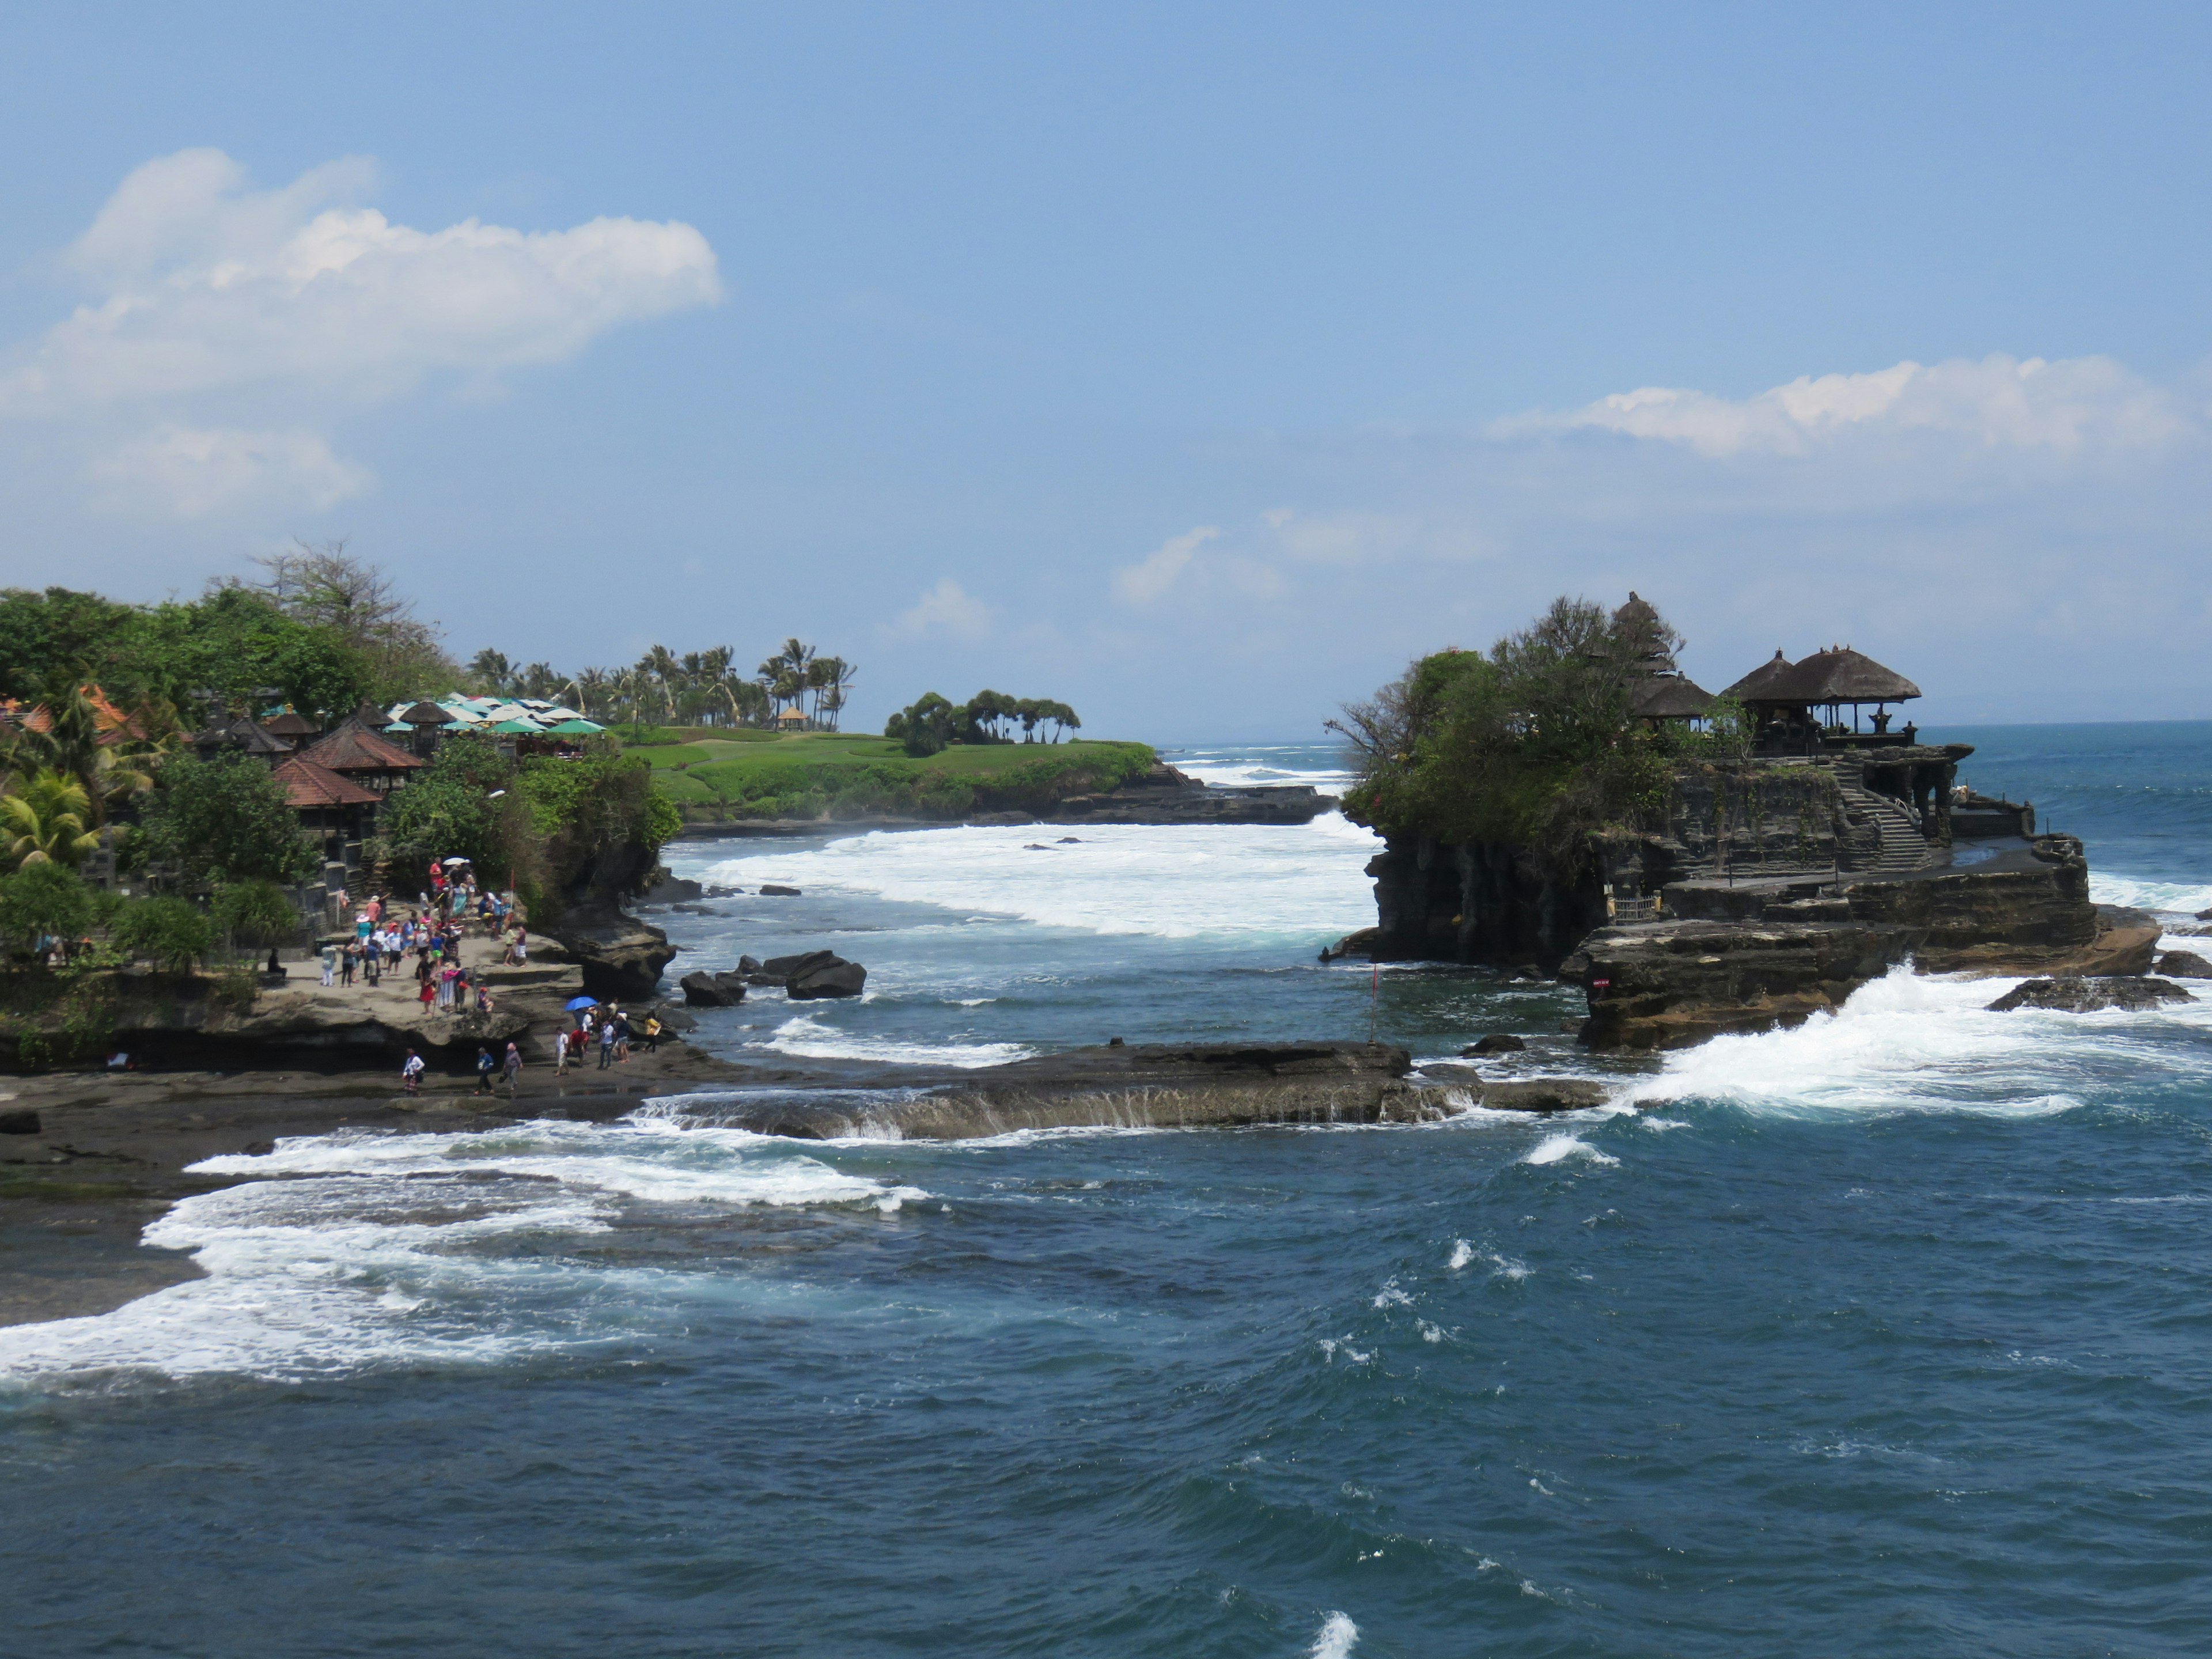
{"x":932,"y":723}
{"x":321,"y":631}
{"x":536,"y":823}
{"x":832,"y":776}
{"x":1532,"y":744}
{"x":700,"y":688}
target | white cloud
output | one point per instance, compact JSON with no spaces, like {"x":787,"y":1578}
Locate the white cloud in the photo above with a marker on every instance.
{"x":1998,"y":403}
{"x":192,"y":471}
{"x":946,"y":609}
{"x":1151,"y":576}
{"x":293,"y":306}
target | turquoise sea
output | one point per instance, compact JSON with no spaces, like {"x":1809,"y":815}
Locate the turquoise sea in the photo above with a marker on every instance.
{"x":1889,"y":1335}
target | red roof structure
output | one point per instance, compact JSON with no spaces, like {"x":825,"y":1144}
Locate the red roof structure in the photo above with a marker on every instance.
{"x":308,"y":786}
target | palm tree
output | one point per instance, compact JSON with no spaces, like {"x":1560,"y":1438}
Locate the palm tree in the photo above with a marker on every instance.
{"x":44,"y":822}
{"x":109,"y":766}
{"x":593,"y":687}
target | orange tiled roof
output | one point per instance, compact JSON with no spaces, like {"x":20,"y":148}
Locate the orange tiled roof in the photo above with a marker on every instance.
{"x":307,"y":784}
{"x":111,"y":723}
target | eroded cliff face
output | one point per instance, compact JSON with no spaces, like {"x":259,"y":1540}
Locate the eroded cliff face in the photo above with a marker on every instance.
{"x":1749,"y":959}
{"x":622,"y":957}
{"x":1481,"y":902}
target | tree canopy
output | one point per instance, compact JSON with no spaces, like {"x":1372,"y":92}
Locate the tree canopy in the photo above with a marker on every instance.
{"x":1532,"y":744}
{"x":933,"y":722}
{"x":225,"y":819}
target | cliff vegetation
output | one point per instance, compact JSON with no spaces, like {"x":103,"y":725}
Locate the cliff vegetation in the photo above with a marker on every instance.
{"x":828,"y":776}
{"x":1531,"y":745}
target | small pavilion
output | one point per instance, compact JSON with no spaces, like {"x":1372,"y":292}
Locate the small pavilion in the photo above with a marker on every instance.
{"x":331,"y":809}
{"x":355,"y":753}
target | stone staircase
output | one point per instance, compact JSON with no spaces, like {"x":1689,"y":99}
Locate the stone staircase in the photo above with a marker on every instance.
{"x":1903,"y":848}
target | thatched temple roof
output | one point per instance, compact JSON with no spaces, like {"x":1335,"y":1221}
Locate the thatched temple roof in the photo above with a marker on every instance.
{"x":1758,"y":685}
{"x":1671,"y":697}
{"x":1840,"y":674}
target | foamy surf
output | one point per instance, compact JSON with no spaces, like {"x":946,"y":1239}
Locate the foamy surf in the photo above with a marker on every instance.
{"x":1915,"y":1042}
{"x":370,"y":1251}
{"x":1335,"y":1639}
{"x":807,"y":1037}
{"x":1172,"y":882}
{"x":2139,"y":894}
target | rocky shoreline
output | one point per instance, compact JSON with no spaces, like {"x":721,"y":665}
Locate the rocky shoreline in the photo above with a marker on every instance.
{"x":1163,"y":796}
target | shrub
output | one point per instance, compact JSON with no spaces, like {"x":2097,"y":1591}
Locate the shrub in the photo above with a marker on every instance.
{"x":227,"y":818}
{"x":173,"y":933}
{"x":255,"y":912}
{"x":44,"y":898}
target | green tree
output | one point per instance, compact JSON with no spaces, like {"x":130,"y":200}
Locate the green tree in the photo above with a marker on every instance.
{"x":925,"y":726}
{"x":463,"y":805}
{"x":46,"y":820}
{"x":59,"y":637}
{"x":44,"y":898}
{"x":255,"y":912}
{"x":1531,"y":745}
{"x":226,"y":818}
{"x":172,"y":933}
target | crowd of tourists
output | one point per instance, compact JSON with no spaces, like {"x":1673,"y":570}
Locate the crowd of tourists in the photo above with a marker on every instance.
{"x":383,"y":939}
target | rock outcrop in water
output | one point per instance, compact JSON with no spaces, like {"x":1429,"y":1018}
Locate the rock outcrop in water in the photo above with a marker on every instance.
{"x":1135,"y":1086}
{"x":2076,"y":996}
{"x":1768,"y":956}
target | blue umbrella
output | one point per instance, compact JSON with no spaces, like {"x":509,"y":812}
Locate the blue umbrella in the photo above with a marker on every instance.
{"x":574,"y":1003}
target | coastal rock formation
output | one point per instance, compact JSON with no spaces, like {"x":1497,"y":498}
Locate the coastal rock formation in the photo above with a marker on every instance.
{"x":1135,"y":1085}
{"x":1544,"y":1094}
{"x":713,"y":990}
{"x":622,"y":957}
{"x":816,"y":973}
{"x":1164,"y":795}
{"x":2184,"y":965}
{"x":1499,"y":1042}
{"x":2076,"y":996}
{"x":1773,"y":955}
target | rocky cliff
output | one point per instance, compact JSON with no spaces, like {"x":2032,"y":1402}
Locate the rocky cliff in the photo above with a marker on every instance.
{"x":1752,"y":957}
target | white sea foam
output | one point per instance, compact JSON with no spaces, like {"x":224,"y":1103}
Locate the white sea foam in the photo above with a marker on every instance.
{"x":806,"y":1035}
{"x":1910,"y":1042}
{"x":1462,"y":1253}
{"x":2141,"y":895}
{"x":1174,"y":882}
{"x":372,"y":1251}
{"x":1555,"y":1149}
{"x":1335,"y":1639}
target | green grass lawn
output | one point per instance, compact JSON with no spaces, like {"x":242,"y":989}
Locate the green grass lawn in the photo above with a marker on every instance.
{"x":838,"y":774}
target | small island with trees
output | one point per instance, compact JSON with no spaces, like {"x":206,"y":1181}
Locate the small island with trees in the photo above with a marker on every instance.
{"x":1568,"y":803}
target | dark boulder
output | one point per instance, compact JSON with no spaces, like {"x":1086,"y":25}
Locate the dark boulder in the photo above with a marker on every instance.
{"x":1545,"y":1094}
{"x":2184,"y":965}
{"x":771,"y":889}
{"x":713,"y":990}
{"x":1361,"y":944}
{"x":816,"y":973}
{"x":1499,"y":1043}
{"x":672,"y":890}
{"x":2087,"y":996}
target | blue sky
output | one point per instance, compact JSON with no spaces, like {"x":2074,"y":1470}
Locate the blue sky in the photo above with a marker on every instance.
{"x":1197,"y":365}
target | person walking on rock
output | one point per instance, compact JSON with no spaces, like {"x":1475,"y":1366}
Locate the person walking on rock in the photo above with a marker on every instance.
{"x":410,"y":1073}
{"x":514,"y":1069}
{"x":484,"y":1069}
{"x":330,"y":954}
{"x":606,"y":1044}
{"x":561,"y":1052}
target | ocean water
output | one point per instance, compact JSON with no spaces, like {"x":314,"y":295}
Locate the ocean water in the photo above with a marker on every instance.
{"x":1886,"y":1335}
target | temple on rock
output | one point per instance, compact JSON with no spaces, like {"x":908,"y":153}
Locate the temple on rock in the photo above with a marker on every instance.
{"x":1808,"y":786}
